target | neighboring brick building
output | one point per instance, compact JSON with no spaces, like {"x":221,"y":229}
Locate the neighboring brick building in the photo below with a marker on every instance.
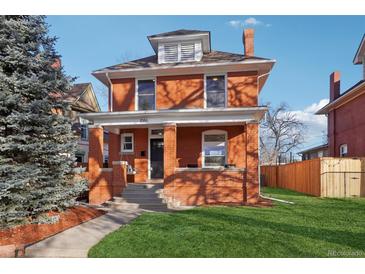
{"x":187,"y":116}
{"x":345,"y":112}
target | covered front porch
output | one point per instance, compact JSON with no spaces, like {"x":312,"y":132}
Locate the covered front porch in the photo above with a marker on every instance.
{"x":206,"y":161}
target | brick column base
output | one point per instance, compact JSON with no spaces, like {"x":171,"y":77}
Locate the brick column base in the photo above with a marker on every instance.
{"x":169,"y":152}
{"x":252,"y":182}
{"x":119,"y":177}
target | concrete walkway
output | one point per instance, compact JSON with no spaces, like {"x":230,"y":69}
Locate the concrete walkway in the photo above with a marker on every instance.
{"x":76,"y":241}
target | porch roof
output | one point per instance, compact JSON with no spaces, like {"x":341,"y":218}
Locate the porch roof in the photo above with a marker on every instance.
{"x":181,"y":117}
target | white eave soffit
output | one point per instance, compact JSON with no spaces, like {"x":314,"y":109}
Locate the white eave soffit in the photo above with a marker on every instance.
{"x":260,"y":66}
{"x":360,"y":53}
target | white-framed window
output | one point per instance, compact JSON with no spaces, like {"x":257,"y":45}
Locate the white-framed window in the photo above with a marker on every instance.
{"x":214,"y":145}
{"x":146,"y":94}
{"x":84,"y":132}
{"x":127,"y":142}
{"x":79,"y":157}
{"x":343,"y":150}
{"x":215,"y":91}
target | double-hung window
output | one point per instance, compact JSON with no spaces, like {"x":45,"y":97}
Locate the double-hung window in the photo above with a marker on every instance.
{"x":84,"y":132}
{"x":127,"y":142}
{"x":214,"y":148}
{"x":215,"y":88}
{"x":146,"y":94}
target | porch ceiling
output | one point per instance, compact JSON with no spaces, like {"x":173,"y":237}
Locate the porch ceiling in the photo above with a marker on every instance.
{"x":180,"y":117}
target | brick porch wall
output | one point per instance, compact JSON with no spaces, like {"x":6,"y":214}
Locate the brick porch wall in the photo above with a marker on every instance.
{"x":206,"y":187}
{"x":104,"y":183}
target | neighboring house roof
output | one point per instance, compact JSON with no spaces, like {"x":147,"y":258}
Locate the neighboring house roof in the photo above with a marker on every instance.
{"x":178,"y":32}
{"x":320,"y":147}
{"x":349,"y":94}
{"x":208,"y":58}
{"x":360,"y":52}
{"x":82,"y":98}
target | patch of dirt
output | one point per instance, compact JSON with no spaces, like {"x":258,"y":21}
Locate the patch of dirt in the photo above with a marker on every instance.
{"x":32,"y":233}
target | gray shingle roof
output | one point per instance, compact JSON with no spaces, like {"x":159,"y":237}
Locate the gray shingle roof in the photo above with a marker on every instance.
{"x":178,"y":32}
{"x":212,"y":57}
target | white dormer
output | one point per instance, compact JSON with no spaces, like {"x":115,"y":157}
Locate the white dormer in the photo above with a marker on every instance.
{"x":175,"y":52}
{"x":180,"y":46}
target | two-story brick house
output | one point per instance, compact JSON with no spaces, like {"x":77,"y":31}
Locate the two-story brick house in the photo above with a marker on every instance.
{"x":345,"y":113}
{"x":186,"y":116}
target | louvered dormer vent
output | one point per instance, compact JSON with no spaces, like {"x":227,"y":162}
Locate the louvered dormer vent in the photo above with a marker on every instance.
{"x":179,"y":52}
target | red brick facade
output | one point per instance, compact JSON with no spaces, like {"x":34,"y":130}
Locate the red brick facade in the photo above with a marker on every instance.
{"x":346,"y":125}
{"x":187,"y":91}
{"x":183,"y":91}
{"x":346,"y":122}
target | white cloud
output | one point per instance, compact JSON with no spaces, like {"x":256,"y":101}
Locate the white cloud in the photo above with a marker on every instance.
{"x":249,"y":22}
{"x":235,"y":23}
{"x":316,"y":125}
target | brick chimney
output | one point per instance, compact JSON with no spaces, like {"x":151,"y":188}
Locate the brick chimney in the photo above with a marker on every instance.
{"x":335,"y":85}
{"x":248,"y":42}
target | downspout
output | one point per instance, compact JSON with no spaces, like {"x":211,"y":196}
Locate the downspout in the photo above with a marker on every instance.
{"x":259,"y":160}
{"x":110,"y":92}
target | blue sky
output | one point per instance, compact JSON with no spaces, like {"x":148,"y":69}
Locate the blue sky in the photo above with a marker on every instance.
{"x":307,"y":50}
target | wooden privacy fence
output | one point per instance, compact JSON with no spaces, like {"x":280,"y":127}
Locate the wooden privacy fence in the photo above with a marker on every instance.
{"x":324,"y":177}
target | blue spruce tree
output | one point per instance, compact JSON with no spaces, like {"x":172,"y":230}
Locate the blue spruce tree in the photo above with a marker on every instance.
{"x":37,"y":145}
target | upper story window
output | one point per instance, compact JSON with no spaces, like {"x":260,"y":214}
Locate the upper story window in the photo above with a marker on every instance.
{"x":215,"y":91}
{"x":146,"y":94}
{"x":180,"y":52}
{"x":343,"y":150}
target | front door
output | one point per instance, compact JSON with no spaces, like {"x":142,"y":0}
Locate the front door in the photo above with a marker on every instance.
{"x":156,"y":161}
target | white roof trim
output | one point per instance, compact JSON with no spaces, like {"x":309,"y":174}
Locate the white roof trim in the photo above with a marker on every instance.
{"x":344,"y":98}
{"x":360,"y":52}
{"x":272,"y":61}
{"x":226,"y":116}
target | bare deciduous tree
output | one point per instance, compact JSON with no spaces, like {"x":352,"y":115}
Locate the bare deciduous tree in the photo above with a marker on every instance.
{"x":281,"y":132}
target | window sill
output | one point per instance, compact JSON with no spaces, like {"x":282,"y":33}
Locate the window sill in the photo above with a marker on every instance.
{"x":209,"y":169}
{"x":126,"y":152}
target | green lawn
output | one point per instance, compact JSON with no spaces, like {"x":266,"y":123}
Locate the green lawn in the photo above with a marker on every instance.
{"x":312,"y":227}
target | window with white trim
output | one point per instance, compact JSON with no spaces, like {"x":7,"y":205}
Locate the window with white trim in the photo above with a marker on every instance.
{"x":214,"y":148}
{"x":343,"y":150}
{"x":127,"y":142}
{"x":146,"y":94}
{"x":84,"y":132}
{"x":215,"y":91}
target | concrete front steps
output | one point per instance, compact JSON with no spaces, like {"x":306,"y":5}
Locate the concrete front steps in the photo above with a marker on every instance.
{"x":144,"y":197}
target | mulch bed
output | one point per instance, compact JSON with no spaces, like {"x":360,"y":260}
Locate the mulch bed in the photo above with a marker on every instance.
{"x":32,"y":233}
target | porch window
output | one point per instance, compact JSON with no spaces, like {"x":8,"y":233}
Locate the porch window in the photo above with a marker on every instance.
{"x":215,"y":91}
{"x":146,"y":94}
{"x":84,"y":132}
{"x":127,"y":142}
{"x":343,"y":150}
{"x":214,"y":148}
